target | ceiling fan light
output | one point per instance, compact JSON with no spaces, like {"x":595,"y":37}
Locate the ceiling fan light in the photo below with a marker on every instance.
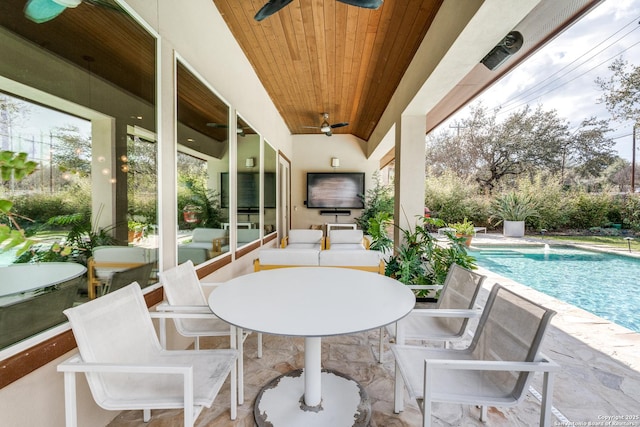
{"x":325,"y":127}
{"x":68,"y":3}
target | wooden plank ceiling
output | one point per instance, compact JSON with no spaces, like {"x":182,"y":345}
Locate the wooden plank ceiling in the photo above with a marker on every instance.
{"x":316,"y":56}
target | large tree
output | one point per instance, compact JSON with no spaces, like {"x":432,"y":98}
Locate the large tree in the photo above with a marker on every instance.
{"x":72,"y":150}
{"x":528,"y":140}
{"x":621,"y":96}
{"x":621,"y":91}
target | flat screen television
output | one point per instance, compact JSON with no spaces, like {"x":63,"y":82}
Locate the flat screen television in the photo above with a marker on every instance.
{"x":335,"y":190}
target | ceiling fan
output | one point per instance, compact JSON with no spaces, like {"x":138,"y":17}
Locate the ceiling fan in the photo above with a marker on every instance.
{"x":326,"y":127}
{"x":275,"y":5}
{"x":40,"y":11}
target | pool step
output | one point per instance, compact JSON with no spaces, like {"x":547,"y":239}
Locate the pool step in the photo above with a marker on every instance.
{"x":500,"y":252}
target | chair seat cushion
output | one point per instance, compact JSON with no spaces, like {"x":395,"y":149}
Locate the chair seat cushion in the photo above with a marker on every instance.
{"x":304,"y":236}
{"x":271,"y":256}
{"x":315,"y":246}
{"x":417,"y":327}
{"x":349,"y":258}
{"x":346,"y":246}
{"x":345,"y":236}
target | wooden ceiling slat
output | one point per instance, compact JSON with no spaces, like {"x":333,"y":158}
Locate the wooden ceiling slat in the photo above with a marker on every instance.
{"x":321,"y":55}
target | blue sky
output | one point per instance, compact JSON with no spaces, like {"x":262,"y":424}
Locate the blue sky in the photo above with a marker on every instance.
{"x":562,"y":74}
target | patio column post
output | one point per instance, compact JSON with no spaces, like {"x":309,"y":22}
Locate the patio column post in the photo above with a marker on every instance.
{"x":409,"y":171}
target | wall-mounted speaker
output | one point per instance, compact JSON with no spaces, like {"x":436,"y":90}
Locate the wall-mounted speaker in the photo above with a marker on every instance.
{"x":503,"y":50}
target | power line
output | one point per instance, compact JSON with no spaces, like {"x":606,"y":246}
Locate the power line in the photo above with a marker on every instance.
{"x":509,"y":101}
{"x":569,"y":81}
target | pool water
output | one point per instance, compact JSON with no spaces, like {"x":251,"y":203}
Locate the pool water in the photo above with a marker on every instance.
{"x":606,"y":285}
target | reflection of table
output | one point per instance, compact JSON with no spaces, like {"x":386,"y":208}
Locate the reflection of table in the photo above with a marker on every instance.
{"x":311,"y":302}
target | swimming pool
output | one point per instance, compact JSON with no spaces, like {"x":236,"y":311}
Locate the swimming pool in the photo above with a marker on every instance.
{"x":606,"y":285}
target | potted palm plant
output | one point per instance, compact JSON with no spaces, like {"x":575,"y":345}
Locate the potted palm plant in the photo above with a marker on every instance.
{"x":464,"y":230}
{"x":513,"y":209}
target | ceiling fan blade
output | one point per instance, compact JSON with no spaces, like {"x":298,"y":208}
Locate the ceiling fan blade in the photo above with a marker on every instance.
{"x":40,"y":11}
{"x":367,"y":4}
{"x":217,"y":125}
{"x":270,"y":8}
{"x":339,"y":125}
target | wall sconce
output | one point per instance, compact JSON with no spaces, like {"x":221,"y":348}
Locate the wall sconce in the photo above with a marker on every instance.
{"x":335,"y":162}
{"x":249,"y":162}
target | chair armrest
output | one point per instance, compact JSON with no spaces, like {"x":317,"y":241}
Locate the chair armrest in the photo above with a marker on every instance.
{"x":425,"y":287}
{"x":183,"y":308}
{"x":437,"y":312}
{"x":217,"y":243}
{"x":181,"y":315}
{"x":544,"y":365}
{"x":76,"y":364}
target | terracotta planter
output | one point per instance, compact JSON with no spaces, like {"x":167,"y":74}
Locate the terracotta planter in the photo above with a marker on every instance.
{"x":467,"y":238}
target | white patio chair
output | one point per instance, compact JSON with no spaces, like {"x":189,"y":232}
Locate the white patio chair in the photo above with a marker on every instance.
{"x":126,"y":367}
{"x":184,"y":295}
{"x":448,"y":321}
{"x":106,"y":260}
{"x":346,"y":239}
{"x":303,"y":239}
{"x":495,"y":369}
{"x":348,"y":258}
{"x":269,"y":258}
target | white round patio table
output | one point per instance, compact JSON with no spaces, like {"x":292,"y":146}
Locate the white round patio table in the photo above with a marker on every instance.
{"x":311,"y":302}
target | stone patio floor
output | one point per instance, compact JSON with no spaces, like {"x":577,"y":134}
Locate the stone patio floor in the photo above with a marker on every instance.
{"x":598,"y":385}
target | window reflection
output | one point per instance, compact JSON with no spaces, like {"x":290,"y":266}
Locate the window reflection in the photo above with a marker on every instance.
{"x":87,"y":115}
{"x":248,"y":184}
{"x":203,"y":168}
{"x":270,"y":199}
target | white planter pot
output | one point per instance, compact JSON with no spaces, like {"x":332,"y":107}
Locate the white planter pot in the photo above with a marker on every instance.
{"x":513,"y":229}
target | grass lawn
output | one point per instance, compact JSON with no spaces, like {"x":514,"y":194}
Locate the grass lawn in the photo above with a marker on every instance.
{"x":611,"y":241}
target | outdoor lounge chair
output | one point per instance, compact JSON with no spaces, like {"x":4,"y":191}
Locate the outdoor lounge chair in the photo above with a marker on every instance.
{"x":126,"y":367}
{"x":346,"y":239}
{"x":184,"y":295}
{"x":269,"y":258}
{"x":494,"y":370}
{"x":348,"y":258}
{"x":107,"y":260}
{"x":303,"y":239}
{"x":448,"y":321}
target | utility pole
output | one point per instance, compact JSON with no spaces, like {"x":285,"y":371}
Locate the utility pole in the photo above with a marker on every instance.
{"x":633,"y":160}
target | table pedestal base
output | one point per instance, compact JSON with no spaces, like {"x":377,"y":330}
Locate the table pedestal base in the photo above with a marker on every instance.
{"x":281,"y":402}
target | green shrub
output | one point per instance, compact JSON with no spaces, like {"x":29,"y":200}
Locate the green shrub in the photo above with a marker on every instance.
{"x":452,"y":199}
{"x":550,"y":198}
{"x":377,"y":200}
{"x":589,"y":210}
{"x":630,"y":211}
